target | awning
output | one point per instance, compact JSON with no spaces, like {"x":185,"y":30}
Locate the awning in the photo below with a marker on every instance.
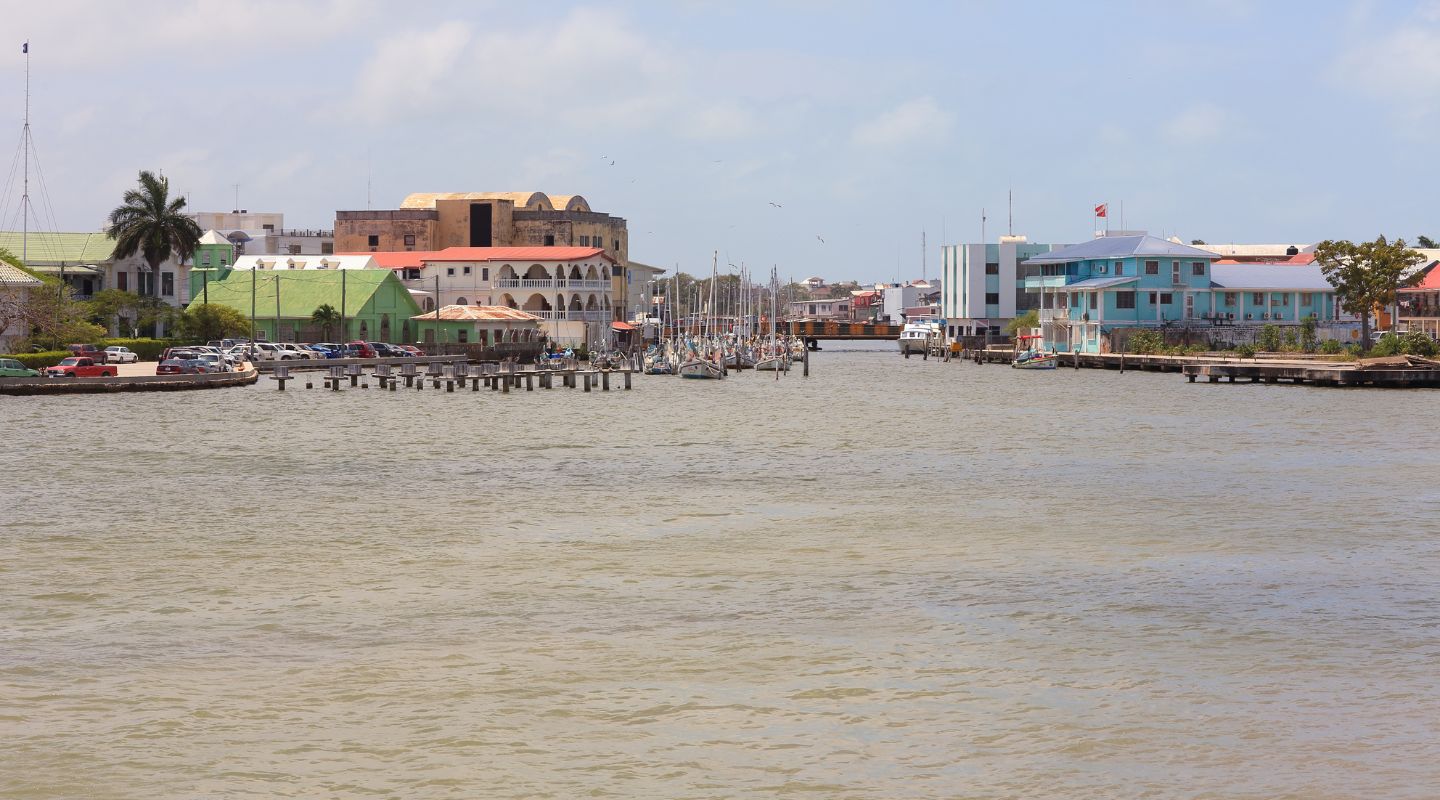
{"x":621,"y":326}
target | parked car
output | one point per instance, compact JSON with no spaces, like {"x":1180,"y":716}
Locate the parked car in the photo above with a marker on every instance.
{"x":388,"y":350}
{"x":181,"y":366}
{"x":10,"y":368}
{"x":76,"y":367}
{"x":268,"y":351}
{"x":89,"y":351}
{"x":330,"y":349}
{"x":115,"y":354}
{"x":214,"y":362}
{"x":412,"y":349}
{"x":177,"y":352}
{"x":226,"y":344}
{"x":360,"y":350}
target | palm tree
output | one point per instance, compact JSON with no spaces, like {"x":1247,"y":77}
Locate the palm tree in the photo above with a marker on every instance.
{"x":326,"y":317}
{"x":150,"y":223}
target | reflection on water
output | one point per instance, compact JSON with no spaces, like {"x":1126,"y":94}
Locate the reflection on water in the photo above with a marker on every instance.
{"x":895,"y":579}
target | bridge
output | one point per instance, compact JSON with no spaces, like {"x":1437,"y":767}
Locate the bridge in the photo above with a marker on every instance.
{"x":813,"y":330}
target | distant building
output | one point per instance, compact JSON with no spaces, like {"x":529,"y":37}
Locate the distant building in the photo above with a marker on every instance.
{"x":1419,"y":305}
{"x":264,"y":233}
{"x":837,"y":308}
{"x":487,"y":325}
{"x":16,"y":284}
{"x":434,"y":221}
{"x":983,"y":286}
{"x":639,"y":278}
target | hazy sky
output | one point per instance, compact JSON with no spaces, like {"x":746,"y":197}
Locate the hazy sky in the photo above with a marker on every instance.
{"x":1227,"y":120}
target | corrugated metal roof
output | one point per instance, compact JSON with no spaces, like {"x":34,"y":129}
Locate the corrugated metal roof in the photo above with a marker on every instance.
{"x":303,"y":291}
{"x":56,"y":247}
{"x":288,"y":262}
{"x":1277,"y":277}
{"x":1120,"y":247}
{"x":479,"y":314}
{"x":11,"y":275}
{"x":1431,"y":281}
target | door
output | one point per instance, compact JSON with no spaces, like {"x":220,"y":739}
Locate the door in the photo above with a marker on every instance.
{"x":1189,"y":306}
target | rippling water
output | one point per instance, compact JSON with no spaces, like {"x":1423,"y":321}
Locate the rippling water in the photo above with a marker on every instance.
{"x":895,"y":579}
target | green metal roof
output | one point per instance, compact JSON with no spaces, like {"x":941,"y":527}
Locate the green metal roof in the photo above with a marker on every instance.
{"x":52,"y":248}
{"x":304,"y":290}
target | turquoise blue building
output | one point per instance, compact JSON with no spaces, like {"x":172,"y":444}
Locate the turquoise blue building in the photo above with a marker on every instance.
{"x":1088,"y":290}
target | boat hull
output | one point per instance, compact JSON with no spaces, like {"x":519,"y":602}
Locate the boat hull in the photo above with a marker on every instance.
{"x":701,"y":370}
{"x":1048,"y":362}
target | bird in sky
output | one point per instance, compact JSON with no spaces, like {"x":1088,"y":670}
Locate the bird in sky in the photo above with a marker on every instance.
{"x":817,"y":236}
{"x":612,"y":163}
{"x":777,"y":205}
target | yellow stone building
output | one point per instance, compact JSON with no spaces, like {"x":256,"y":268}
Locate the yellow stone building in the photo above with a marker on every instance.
{"x":432,"y":221}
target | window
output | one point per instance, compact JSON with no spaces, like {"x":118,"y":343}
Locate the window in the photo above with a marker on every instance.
{"x":465,"y":271}
{"x":1094,"y":297}
{"x":449,"y":272}
{"x":617,"y":244}
{"x":462,"y":336}
{"x":1119,"y":267}
{"x":460,"y":301}
{"x":409,"y":240}
{"x":1230,"y":298}
{"x":1284,"y":299}
{"x":373,"y":240}
{"x":267,"y":227}
{"x":1124,"y":299}
{"x":584,"y":241}
{"x":992,"y":298}
{"x":992,"y":269}
{"x":1154,"y":298}
{"x":1306,"y":298}
{"x":1257,"y":298}
{"x":327,"y":248}
{"x":1197,"y":268}
{"x":549,"y":240}
{"x":1166,"y":298}
{"x":484,"y":273}
{"x":1152,"y":267}
{"x":167,"y":284}
{"x":294,"y":249}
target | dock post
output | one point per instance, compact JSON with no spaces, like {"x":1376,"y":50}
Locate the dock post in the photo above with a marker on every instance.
{"x":587,"y":381}
{"x":505,"y":385}
{"x":450,"y":386}
{"x":409,"y":381}
{"x":393,"y":384}
{"x":628,"y":373}
{"x":529,"y":382}
{"x":807,"y":360}
{"x":605,"y":380}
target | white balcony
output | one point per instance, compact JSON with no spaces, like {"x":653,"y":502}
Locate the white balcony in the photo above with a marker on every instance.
{"x":568,"y":284}
{"x":583,"y":316}
{"x":1054,"y":314}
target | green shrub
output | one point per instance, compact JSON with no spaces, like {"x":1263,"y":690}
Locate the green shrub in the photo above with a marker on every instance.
{"x":1307,"y":335}
{"x":1146,"y":343}
{"x":1269,"y":340}
{"x":1416,"y":343}
{"x":146,"y":349}
{"x":49,"y":358}
{"x":1389,"y":345}
{"x":1354,"y":350}
{"x":1292,"y":340}
{"x":1330,"y":347}
{"x":1245,"y":350}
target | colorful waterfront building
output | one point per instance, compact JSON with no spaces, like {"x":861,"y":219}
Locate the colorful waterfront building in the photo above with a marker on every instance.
{"x":1088,"y":290}
{"x":983,"y":287}
{"x":375,"y":304}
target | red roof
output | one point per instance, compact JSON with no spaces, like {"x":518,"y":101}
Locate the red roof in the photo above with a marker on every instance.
{"x":622,"y":326}
{"x":397,"y":260}
{"x":1431,"y":279}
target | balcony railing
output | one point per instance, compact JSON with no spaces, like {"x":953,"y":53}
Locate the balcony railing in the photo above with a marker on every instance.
{"x":583,"y":316}
{"x":572,"y":284}
{"x":1054,"y":314}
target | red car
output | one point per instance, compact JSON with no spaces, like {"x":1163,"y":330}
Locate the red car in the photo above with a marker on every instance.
{"x":411,"y":349}
{"x":360,"y":350}
{"x":89,"y":351}
{"x":80,"y":368}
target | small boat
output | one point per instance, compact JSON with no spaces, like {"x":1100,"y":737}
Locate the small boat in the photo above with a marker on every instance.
{"x":919,"y":334}
{"x":701,"y":369}
{"x":1031,"y":359}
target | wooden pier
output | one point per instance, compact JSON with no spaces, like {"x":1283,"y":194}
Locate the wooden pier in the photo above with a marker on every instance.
{"x":502,"y":378}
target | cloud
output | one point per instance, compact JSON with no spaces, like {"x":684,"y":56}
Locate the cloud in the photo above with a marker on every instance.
{"x":1399,"y":67}
{"x":408,"y":70}
{"x":912,"y":121}
{"x":1198,"y":124}
{"x":722,"y":120}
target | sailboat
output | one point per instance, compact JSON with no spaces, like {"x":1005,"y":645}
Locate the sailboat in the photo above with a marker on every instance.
{"x":704,"y":359}
{"x":774,"y":355}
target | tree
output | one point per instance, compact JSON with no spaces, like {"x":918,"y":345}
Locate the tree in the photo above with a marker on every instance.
{"x":327,"y":317}
{"x":1030,"y":319}
{"x":150,"y":223}
{"x":129,"y":311}
{"x":1426,"y":242}
{"x":1367,"y":275}
{"x":209,"y":321}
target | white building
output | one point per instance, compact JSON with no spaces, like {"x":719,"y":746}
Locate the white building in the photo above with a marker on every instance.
{"x":639,"y":279}
{"x":984,"y":284}
{"x":277,"y":262}
{"x":264,"y":233}
{"x":15,"y":288}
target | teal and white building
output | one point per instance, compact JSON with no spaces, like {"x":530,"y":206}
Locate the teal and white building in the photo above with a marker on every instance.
{"x":1085,"y":291}
{"x":983,"y":286}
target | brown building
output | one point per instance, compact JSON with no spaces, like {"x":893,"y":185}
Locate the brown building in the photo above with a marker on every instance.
{"x":433,"y":221}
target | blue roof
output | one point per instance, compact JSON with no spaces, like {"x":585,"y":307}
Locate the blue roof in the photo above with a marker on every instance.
{"x":1278,"y":277}
{"x":1122,"y":247}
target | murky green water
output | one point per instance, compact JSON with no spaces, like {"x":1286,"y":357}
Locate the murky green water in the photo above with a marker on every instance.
{"x":898,"y":579}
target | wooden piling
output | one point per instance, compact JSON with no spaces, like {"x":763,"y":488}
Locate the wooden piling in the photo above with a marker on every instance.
{"x":529,"y":382}
{"x":807,"y":361}
{"x":628,"y":373}
{"x":587,"y":381}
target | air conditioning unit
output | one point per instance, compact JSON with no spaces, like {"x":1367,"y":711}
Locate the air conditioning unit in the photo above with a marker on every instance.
{"x":1249,"y":316}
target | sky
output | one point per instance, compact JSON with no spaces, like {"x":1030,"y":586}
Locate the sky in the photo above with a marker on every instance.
{"x":818,"y":137}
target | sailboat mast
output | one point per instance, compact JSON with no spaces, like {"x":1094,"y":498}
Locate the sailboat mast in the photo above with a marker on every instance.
{"x":25,"y":145}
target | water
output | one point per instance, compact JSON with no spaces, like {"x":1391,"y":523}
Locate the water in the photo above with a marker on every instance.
{"x":895,"y":579}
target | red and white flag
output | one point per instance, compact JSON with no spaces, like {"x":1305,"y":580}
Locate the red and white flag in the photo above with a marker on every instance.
{"x":1101,"y":209}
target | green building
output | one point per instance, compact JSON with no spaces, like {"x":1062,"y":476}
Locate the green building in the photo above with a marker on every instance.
{"x":213,"y":252}
{"x":377,"y":307}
